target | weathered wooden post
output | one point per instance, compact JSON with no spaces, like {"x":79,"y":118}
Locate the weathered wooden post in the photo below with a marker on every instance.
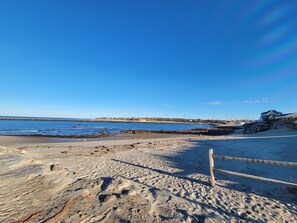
{"x":211,"y":167}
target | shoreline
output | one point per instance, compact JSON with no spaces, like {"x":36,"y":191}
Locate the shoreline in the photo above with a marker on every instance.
{"x":219,"y":131}
{"x":32,"y":140}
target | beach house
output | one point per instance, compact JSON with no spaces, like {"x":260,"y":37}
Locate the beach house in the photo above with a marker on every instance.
{"x":271,"y":114}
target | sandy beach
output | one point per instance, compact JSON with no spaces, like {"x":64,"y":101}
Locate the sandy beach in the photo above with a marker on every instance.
{"x":146,"y":179}
{"x":148,"y":111}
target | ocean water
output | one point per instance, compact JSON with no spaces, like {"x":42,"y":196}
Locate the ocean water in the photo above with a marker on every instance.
{"x":76,"y":128}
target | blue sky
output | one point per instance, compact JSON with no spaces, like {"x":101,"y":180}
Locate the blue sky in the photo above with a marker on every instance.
{"x":193,"y":59}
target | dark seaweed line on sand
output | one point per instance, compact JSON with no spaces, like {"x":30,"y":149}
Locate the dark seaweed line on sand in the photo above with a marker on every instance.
{"x":219,"y":131}
{"x":211,"y":132}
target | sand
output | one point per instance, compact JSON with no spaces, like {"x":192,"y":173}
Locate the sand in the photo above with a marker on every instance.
{"x":146,"y":180}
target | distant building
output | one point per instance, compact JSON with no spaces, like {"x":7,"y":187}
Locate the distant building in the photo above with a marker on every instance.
{"x":271,"y":114}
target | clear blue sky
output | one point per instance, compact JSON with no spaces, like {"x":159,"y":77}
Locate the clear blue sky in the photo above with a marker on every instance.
{"x":194,"y":59}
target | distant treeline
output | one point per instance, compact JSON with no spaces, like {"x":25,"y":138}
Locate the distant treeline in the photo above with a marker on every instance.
{"x":189,"y":120}
{"x":181,"y":120}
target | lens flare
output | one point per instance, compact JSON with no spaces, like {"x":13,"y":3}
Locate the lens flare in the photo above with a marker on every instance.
{"x":274,"y":15}
{"x":274,"y":58}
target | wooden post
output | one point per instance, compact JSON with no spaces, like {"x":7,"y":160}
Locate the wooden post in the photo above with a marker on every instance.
{"x":211,"y":167}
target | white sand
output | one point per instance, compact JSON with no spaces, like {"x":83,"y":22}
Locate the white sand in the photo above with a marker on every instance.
{"x":147,"y":180}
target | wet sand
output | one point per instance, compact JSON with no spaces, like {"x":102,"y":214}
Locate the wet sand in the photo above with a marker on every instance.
{"x":23,"y":140}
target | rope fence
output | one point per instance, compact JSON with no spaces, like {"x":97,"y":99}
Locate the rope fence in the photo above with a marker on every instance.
{"x":271,"y":162}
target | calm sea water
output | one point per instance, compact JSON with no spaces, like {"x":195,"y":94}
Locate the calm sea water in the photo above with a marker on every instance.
{"x":75,"y":128}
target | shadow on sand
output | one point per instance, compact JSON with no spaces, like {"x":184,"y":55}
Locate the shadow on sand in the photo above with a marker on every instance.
{"x":199,"y":218}
{"x":194,"y":160}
